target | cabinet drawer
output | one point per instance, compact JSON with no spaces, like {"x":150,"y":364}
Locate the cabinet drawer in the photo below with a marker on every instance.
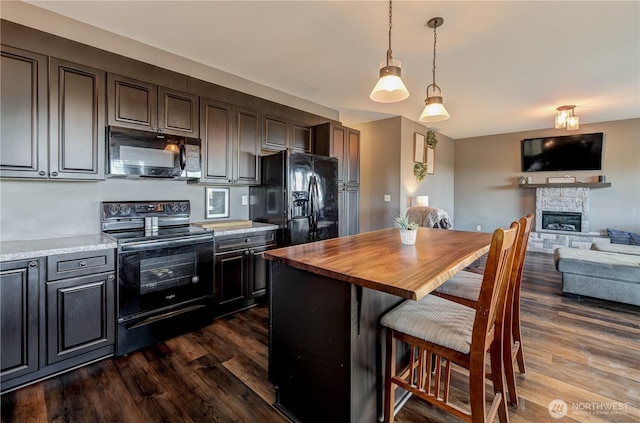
{"x":79,"y":264}
{"x":248,"y":240}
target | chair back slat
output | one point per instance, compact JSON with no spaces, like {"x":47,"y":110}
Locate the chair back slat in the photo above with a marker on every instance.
{"x":491,"y":302}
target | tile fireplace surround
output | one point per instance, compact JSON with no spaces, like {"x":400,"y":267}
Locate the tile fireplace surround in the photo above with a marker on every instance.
{"x":561,"y":199}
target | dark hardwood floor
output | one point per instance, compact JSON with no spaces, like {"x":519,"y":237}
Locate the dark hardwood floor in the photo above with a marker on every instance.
{"x":584,"y":352}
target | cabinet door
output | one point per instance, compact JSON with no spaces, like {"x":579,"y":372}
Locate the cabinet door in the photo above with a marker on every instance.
{"x":19,"y":285}
{"x":352,"y":159}
{"x":216,"y":123}
{"x":23,"y":114}
{"x":348,"y":211}
{"x":77,"y":125}
{"x":248,"y":124}
{"x":132,"y":103}
{"x":353,"y":210}
{"x":301,"y":140}
{"x":338,"y":142}
{"x":177,"y":113}
{"x":259,"y":273}
{"x":231,"y":276}
{"x":276,"y":133}
{"x":80,"y":315}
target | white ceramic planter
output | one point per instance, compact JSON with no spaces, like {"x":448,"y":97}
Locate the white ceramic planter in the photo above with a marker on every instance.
{"x":408,"y":237}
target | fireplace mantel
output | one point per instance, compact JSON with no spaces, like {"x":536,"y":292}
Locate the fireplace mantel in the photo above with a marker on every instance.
{"x":569,"y":185}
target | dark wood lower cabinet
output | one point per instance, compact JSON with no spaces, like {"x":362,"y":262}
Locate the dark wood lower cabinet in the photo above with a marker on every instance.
{"x":51,"y":323}
{"x":19,"y":318}
{"x":241,"y":272}
{"x":80,"y":315}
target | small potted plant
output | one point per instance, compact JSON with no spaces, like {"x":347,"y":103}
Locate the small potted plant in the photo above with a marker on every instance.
{"x":408,"y":230}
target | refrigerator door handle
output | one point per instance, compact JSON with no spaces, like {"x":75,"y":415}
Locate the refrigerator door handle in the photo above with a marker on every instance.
{"x":312,"y":213}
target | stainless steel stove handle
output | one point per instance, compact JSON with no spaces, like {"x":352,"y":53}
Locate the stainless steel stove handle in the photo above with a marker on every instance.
{"x":165,"y":243}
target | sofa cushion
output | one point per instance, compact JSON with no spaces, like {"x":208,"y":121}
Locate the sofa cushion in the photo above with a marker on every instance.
{"x":616,"y":248}
{"x":598,"y":264}
{"x":623,"y":237}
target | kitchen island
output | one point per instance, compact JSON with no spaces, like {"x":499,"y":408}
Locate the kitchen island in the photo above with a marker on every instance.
{"x":326,"y":299}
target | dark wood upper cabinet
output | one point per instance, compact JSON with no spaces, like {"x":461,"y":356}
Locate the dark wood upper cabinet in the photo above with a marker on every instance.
{"x":247,"y":148}
{"x":276,"y":133}
{"x":301,"y":140}
{"x":140,"y":105}
{"x":67,"y":140}
{"x":77,"y":121}
{"x":352,"y":153}
{"x":216,"y":130}
{"x":23,"y":114}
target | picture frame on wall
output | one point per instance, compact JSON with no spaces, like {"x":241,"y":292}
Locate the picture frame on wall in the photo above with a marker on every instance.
{"x":418,"y":147}
{"x":430,"y":160}
{"x":216,"y":203}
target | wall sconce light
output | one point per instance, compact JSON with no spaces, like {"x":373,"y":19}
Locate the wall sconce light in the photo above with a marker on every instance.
{"x":434,"y":110}
{"x":422,"y":200}
{"x":390,"y":87}
{"x":566,"y":118}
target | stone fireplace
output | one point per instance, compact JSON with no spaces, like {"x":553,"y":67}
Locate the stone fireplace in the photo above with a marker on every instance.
{"x":562,"y":219}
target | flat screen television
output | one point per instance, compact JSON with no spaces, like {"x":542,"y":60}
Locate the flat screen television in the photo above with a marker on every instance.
{"x":570,"y":152}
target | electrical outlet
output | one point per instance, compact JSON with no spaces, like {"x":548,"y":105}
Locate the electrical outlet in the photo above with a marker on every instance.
{"x":387,"y":197}
{"x":478,"y":228}
{"x":245,"y":200}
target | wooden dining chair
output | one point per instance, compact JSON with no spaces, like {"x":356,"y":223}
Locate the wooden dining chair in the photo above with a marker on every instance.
{"x":464,"y":288}
{"x":445,"y":332}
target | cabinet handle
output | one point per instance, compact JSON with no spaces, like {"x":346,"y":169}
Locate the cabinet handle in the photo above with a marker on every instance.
{"x":83,"y":263}
{"x":42,"y":173}
{"x":247,"y":240}
{"x":111,"y":277}
{"x":33,"y":264}
{"x":54,"y":173}
{"x":154,"y":128}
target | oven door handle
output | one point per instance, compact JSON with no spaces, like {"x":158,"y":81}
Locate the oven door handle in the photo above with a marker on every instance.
{"x":166,"y":243}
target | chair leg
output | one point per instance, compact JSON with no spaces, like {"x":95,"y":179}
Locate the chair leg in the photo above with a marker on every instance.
{"x":509,"y":369}
{"x":517,"y":337}
{"x":390,"y":371}
{"x":498,"y":377}
{"x":477,"y":394}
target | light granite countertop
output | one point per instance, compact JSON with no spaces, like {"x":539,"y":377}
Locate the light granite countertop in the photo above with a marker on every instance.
{"x":34,"y":248}
{"x":255,"y":227}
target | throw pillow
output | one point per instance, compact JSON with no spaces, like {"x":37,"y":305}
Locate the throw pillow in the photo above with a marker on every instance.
{"x":623,"y":237}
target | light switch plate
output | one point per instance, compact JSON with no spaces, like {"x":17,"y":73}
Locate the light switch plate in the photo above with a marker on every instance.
{"x":245,"y":200}
{"x":387,"y":197}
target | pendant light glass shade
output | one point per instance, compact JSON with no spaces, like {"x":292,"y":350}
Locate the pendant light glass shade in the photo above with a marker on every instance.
{"x":390,"y":87}
{"x":434,"y":110}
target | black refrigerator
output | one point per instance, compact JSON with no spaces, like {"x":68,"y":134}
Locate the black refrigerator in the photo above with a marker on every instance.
{"x":299,"y":193}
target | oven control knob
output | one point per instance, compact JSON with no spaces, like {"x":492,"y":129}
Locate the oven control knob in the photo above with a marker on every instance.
{"x":195,"y":278}
{"x":174,"y":207}
{"x":113,"y":209}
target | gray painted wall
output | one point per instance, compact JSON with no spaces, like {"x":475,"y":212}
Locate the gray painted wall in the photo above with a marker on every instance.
{"x":386,"y":167}
{"x":487,"y":170}
{"x":37,"y":209}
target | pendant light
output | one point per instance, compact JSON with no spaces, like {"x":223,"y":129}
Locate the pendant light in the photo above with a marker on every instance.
{"x":390,"y":87}
{"x":434,"y":110}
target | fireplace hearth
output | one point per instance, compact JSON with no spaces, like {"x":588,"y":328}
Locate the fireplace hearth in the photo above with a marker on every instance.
{"x":562,"y":221}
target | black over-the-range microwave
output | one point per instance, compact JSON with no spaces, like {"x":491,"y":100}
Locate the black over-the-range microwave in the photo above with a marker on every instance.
{"x":133,"y":153}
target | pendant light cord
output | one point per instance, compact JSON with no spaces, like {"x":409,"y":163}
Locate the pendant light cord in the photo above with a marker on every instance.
{"x":389,"y":52}
{"x":435,"y":39}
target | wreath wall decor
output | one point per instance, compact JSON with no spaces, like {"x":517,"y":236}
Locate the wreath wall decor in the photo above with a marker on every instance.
{"x":419,"y":171}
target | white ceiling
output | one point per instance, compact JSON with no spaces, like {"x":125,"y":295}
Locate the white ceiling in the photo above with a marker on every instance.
{"x":503,"y":66}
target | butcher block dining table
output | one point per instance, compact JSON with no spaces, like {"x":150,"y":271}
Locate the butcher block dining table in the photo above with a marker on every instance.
{"x":326,"y":300}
